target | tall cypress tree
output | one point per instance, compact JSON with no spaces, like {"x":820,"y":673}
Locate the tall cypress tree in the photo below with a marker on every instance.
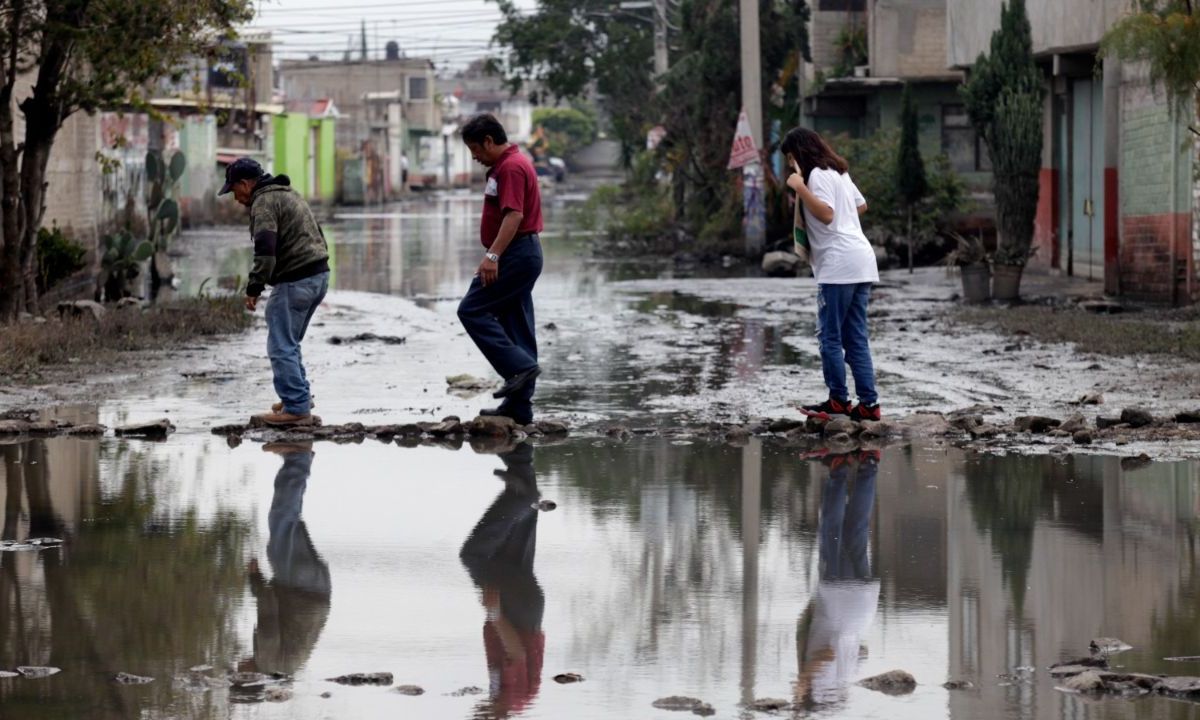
{"x":1003,"y":96}
{"x":910,"y":168}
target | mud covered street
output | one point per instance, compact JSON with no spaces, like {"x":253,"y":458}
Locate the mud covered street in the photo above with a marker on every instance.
{"x":655,"y":343}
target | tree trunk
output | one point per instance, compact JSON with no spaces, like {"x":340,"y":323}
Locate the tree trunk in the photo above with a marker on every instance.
{"x":12,"y":291}
{"x":910,"y":241}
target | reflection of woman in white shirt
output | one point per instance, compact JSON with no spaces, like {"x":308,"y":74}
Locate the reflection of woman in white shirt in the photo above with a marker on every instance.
{"x":828,"y":205}
{"x":832,"y":629}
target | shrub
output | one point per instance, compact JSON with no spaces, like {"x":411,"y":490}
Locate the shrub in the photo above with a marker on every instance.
{"x":638,"y":211}
{"x":873,"y":167}
{"x":58,"y":257}
{"x":567,"y":129}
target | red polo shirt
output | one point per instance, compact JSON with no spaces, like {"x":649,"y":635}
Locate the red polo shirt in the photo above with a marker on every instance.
{"x":512,"y":184}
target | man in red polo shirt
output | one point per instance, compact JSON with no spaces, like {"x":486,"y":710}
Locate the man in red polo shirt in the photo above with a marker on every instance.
{"x":497,"y":310}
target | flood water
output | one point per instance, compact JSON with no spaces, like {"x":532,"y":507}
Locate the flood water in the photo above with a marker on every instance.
{"x":719,"y":572}
{"x":664,"y":566}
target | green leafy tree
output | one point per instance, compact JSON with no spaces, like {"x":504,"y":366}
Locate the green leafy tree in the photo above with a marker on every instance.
{"x":79,"y":55}
{"x":567,"y":129}
{"x":572,"y":46}
{"x":1166,"y":35}
{"x":1003,"y":96}
{"x":569,"y":47}
{"x":700,"y":103}
{"x":876,"y":173}
{"x":910,"y":168}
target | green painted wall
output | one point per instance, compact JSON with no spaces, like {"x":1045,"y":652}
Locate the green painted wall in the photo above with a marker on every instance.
{"x":291,"y":149}
{"x":326,"y":159}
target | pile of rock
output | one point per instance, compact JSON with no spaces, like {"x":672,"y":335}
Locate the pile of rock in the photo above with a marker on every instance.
{"x":1091,"y":675}
{"x":409,"y":434}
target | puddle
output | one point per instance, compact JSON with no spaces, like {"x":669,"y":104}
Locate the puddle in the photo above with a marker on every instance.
{"x":721,"y":573}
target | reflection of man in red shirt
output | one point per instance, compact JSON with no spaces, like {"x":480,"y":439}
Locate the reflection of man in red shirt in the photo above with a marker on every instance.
{"x":497,"y":311}
{"x":499,"y":556}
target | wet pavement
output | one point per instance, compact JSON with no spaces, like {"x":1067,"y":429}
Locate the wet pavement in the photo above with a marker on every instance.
{"x":726,"y":574}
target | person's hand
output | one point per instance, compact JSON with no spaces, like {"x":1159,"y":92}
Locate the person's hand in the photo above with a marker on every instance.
{"x":488,"y":271}
{"x":251,"y":302}
{"x":796,"y":180}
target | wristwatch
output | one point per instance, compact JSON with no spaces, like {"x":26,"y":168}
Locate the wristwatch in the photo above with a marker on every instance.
{"x":492,"y":256}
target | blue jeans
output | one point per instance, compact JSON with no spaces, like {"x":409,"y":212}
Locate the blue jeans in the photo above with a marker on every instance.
{"x":842,"y":332}
{"x":846,"y":522}
{"x":499,"y":318}
{"x":289,"y":310}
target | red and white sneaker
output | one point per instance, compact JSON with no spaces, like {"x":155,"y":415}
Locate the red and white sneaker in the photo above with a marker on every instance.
{"x":862,"y":412}
{"x":827,"y":410}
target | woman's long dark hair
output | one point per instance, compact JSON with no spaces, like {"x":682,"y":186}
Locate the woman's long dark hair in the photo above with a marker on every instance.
{"x":811,"y":151}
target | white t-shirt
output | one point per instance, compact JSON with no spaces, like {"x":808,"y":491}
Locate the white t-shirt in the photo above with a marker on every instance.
{"x":841,"y":253}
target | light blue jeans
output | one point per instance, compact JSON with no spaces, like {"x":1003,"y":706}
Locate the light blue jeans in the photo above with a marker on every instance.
{"x":842,"y":333}
{"x":289,"y":310}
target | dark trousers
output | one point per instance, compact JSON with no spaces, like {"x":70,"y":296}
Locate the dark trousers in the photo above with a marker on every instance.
{"x":499,"y":317}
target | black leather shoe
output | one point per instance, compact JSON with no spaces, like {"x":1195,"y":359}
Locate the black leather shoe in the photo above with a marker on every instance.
{"x":518,"y":381}
{"x":504,"y":412}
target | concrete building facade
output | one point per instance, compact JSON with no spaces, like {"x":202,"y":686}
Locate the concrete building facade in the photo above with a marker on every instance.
{"x":1118,"y":201}
{"x":906,"y":44}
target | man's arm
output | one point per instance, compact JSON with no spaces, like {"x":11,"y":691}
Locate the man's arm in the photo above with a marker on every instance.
{"x":862,"y":208}
{"x":266,"y":242}
{"x":488,"y":270}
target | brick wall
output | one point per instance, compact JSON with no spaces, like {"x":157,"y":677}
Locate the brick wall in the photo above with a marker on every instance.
{"x":908,"y":39}
{"x":1157,"y":195}
{"x":824,"y":28}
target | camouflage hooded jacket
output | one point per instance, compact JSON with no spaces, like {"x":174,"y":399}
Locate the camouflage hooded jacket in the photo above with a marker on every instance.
{"x":288,"y":242}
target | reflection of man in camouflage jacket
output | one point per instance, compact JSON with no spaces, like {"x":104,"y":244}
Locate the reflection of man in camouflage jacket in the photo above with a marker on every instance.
{"x":291,"y":256}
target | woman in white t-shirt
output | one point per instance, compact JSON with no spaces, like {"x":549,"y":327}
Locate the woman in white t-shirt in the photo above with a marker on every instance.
{"x":827,"y":206}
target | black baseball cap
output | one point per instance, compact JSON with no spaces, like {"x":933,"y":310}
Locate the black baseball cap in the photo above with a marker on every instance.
{"x":241,"y":169}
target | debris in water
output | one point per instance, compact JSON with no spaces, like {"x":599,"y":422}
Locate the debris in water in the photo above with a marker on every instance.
{"x":410,"y":690}
{"x":1184,"y":658}
{"x":769,"y":705}
{"x":466,"y":382}
{"x":469,"y":690}
{"x":157,"y":430}
{"x":679,"y":703}
{"x":379,"y":678}
{"x":277,"y":694}
{"x":567,"y":678}
{"x":958,"y":685}
{"x":125,"y":678}
{"x":367,"y":337}
{"x":32,"y":671}
{"x":545,"y":505}
{"x":1109,"y":646}
{"x":894,"y":682}
{"x":8,"y":674}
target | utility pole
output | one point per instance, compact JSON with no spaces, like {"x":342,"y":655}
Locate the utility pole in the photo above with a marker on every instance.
{"x":754,"y":221}
{"x":661,"y":58}
{"x":364,"y":39}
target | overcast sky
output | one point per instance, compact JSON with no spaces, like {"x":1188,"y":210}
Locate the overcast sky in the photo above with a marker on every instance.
{"x":452,"y":32}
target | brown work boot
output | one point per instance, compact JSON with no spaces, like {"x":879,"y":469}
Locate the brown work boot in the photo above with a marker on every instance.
{"x":312,"y":405}
{"x":285,"y":419}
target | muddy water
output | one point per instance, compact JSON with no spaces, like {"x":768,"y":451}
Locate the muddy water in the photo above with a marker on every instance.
{"x":718,"y":572}
{"x":609,"y":351}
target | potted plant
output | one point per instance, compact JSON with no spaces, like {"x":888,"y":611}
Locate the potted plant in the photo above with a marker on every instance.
{"x":970,"y":257}
{"x":1003,"y":95}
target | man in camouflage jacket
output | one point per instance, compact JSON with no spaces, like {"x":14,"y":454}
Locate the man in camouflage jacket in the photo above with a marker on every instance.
{"x":290,"y":255}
